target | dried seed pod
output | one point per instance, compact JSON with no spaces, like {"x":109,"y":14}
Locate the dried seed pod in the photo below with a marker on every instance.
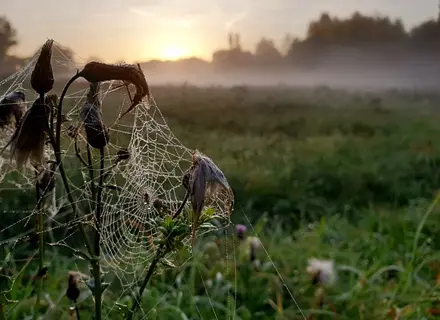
{"x":42,"y":76}
{"x":204,"y":180}
{"x":12,"y":106}
{"x":91,"y":116}
{"x":97,"y":72}
{"x":29,"y":137}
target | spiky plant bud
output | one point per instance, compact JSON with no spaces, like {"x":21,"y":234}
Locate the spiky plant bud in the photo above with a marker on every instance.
{"x":42,"y":76}
{"x":98,"y":72}
{"x":12,"y":106}
{"x":91,"y":116}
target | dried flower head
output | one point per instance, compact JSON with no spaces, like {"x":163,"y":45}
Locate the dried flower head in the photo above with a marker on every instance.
{"x":12,"y":106}
{"x":204,"y":180}
{"x":322,"y":271}
{"x":240,"y":231}
{"x":42,"y":76}
{"x":91,"y":116}
{"x":46,"y":177}
{"x":73,"y":291}
{"x":97,"y":72}
{"x":29,"y":137}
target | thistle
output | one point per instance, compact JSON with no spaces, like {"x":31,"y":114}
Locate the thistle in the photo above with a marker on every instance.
{"x":203,"y":180}
{"x":12,"y":106}
{"x":29,"y":137}
{"x":42,"y":76}
{"x":91,"y":117}
{"x":97,"y":72}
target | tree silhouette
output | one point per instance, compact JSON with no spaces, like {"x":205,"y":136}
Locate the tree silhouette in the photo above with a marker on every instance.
{"x":8,"y":37}
{"x":266,"y":52}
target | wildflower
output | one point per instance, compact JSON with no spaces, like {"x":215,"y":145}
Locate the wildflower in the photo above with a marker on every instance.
{"x":13,"y":105}
{"x":91,"y":116}
{"x":29,"y":137}
{"x":42,"y":76}
{"x":254,"y":244}
{"x":240,"y":231}
{"x":322,"y":271}
{"x":97,"y":72}
{"x":203,"y":180}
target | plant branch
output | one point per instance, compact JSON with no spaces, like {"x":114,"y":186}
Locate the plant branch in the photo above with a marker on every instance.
{"x":96,"y":262}
{"x":40,"y":230}
{"x":56,"y":143}
{"x":160,"y":253}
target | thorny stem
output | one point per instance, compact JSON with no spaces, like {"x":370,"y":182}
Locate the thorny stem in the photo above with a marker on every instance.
{"x":159,"y":255}
{"x":96,"y":264}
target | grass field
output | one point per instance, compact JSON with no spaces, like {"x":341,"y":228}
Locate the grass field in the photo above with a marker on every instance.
{"x":317,"y":173}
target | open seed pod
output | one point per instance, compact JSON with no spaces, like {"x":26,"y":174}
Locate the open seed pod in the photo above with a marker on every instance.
{"x":91,"y":117}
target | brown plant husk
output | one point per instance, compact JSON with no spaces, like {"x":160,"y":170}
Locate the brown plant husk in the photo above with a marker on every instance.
{"x":91,"y":117}
{"x":42,"y":79}
{"x":97,"y":72}
{"x":202,"y":181}
{"x":12,"y":106}
{"x":29,"y":137}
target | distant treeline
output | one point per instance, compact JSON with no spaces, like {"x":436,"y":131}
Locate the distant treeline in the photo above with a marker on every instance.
{"x":330,"y":44}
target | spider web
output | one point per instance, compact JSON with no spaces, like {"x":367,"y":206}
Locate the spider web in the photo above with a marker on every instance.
{"x":146,"y":186}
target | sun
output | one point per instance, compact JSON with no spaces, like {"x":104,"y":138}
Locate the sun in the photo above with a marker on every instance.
{"x":174,"y":53}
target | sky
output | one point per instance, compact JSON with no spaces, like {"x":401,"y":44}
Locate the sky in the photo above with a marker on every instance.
{"x":139,"y":30}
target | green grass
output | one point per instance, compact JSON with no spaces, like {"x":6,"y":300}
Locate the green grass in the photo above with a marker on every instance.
{"x":319,"y":173}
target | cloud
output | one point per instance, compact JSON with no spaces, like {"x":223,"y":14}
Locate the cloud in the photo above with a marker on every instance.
{"x":236,"y":19}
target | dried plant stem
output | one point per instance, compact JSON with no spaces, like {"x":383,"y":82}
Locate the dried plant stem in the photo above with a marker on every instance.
{"x":56,"y":143}
{"x":76,"y":311}
{"x":96,"y":262}
{"x":160,"y":253}
{"x":40,"y":230}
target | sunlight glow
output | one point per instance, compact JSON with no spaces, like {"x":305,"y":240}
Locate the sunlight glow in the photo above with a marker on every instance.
{"x":173,"y":53}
